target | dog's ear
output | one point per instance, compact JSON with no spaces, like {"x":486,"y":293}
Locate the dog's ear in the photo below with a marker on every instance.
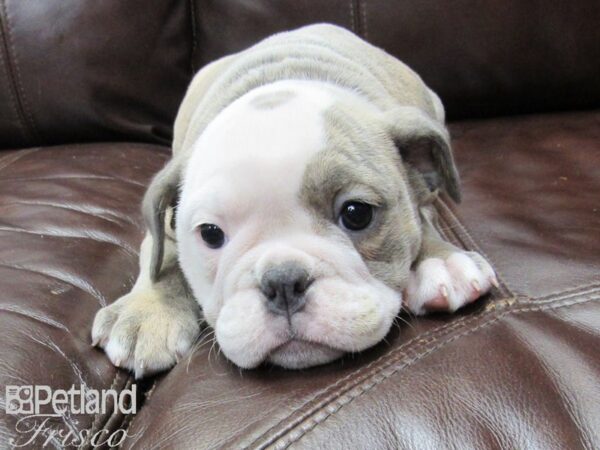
{"x":425,"y":143}
{"x":161,"y":194}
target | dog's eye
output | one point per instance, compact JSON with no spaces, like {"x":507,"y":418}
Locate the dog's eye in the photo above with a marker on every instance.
{"x":212,"y":235}
{"x":356,"y":216}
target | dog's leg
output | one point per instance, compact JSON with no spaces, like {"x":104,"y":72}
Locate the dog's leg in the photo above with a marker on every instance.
{"x":152,"y":326}
{"x":444,"y":277}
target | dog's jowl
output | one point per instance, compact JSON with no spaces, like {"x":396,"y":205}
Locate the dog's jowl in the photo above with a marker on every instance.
{"x":303,"y":222}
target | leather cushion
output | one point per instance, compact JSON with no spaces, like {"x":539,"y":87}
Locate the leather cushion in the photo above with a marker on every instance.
{"x":70,"y":227}
{"x":78,"y":71}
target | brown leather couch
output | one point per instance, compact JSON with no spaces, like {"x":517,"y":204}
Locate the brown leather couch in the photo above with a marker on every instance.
{"x":88,"y":93}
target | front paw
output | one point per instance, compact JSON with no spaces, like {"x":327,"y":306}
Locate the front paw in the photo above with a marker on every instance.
{"x":448,"y":284}
{"x":143,"y":334}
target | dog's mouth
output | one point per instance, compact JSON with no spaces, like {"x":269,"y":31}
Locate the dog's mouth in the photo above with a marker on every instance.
{"x":298,"y":353}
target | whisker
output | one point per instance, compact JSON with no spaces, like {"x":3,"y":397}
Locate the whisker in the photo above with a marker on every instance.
{"x":214,"y":343}
{"x":404,"y":321}
{"x":205,"y":337}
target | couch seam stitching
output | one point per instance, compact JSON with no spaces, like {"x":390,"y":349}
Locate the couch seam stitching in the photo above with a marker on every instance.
{"x":16,"y":76}
{"x":127,"y":421}
{"x":445,"y":229}
{"x":363,"y":388}
{"x":451,"y":235}
{"x":572,"y":290}
{"x":473,"y":244}
{"x":352,"y":24}
{"x":452,"y":219}
{"x":6,"y":63}
{"x":194,"y":36}
{"x":98,"y":416}
{"x":363,"y":10}
{"x":385,"y":361}
{"x":133,"y":416}
{"x":568,"y":293}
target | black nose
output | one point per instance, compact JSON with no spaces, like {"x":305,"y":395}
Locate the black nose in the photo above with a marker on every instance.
{"x":284,"y":287}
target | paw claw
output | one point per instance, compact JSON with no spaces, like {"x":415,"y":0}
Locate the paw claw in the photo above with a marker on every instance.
{"x":476,"y":287}
{"x":139,"y":370}
{"x":444,"y":292}
{"x":118,"y":362}
{"x":495,"y":283}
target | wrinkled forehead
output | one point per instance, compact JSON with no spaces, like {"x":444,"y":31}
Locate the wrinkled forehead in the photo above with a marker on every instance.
{"x":265,"y":138}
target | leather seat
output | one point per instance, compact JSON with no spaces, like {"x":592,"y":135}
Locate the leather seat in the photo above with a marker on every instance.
{"x":518,"y":369}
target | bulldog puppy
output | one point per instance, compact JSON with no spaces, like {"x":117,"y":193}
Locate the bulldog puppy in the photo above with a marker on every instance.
{"x":294,"y":217}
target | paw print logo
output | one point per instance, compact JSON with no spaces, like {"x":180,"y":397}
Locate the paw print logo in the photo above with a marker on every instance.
{"x":19,"y":399}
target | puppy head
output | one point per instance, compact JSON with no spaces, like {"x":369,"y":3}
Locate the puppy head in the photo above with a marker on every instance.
{"x":296,"y":226}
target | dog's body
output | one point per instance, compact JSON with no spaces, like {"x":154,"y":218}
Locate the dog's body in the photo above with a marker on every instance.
{"x":301,"y":218}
